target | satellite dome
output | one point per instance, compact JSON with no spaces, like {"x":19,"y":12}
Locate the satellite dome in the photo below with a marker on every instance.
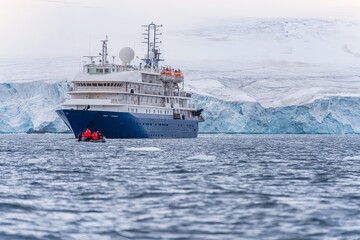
{"x":126,"y":54}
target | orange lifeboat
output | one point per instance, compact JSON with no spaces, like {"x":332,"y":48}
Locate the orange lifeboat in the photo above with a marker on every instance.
{"x":171,"y":75}
{"x":167,"y":72}
{"x":178,"y":74}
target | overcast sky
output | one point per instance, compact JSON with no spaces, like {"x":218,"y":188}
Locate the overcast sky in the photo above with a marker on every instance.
{"x":70,"y":27}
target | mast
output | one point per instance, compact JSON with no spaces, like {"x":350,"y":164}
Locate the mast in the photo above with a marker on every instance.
{"x":104,"y":53}
{"x":151,"y":33}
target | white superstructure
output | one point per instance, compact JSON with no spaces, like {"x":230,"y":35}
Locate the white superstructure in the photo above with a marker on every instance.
{"x":126,"y":88}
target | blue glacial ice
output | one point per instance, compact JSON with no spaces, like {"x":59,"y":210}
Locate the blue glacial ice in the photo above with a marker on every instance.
{"x":324,"y":116}
{"x":30,"y":107}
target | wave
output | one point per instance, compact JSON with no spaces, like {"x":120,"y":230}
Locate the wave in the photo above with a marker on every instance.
{"x":144,"y":149}
{"x":202,"y":157}
{"x":352,"y":158}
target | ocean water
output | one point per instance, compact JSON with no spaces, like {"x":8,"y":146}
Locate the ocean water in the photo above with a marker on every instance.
{"x":212,"y":187}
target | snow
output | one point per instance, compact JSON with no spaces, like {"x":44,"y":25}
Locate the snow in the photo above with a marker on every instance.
{"x":22,"y":70}
{"x":249,"y":75}
{"x":212,"y":87}
{"x":143,"y":149}
{"x":275,"y":62}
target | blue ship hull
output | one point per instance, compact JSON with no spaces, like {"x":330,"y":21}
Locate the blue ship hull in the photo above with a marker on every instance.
{"x":128,"y":125}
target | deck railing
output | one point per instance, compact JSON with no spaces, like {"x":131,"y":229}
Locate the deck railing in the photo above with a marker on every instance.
{"x":90,"y":88}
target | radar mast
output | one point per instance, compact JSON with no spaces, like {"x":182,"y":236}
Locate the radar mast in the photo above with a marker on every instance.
{"x":151,"y":33}
{"x":104,"y":53}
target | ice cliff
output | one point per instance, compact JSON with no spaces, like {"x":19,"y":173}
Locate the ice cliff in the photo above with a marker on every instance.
{"x":323,"y":116}
{"x":30,"y":107}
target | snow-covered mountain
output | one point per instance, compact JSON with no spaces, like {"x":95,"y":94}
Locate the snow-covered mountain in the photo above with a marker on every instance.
{"x":250,"y":75}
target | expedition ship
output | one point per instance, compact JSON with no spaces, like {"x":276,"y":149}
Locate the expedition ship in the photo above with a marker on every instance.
{"x":128,"y":101}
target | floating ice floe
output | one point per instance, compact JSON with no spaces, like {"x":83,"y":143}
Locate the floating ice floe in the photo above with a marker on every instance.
{"x":202,"y":157}
{"x":143,"y":149}
{"x":35,"y":161}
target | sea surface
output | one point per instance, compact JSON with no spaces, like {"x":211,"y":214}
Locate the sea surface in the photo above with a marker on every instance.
{"x":212,"y":187}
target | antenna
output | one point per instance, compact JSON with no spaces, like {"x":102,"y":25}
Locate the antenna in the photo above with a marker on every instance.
{"x":89,"y":44}
{"x":104,"y":53}
{"x":91,"y":58}
{"x":151,"y":33}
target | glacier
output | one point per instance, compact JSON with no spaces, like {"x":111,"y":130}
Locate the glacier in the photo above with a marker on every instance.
{"x":29,"y":107}
{"x":333,"y":115}
{"x":249,"y":75}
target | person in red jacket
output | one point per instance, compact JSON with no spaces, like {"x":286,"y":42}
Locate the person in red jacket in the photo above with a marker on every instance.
{"x":87,"y":134}
{"x":94,"y":136}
